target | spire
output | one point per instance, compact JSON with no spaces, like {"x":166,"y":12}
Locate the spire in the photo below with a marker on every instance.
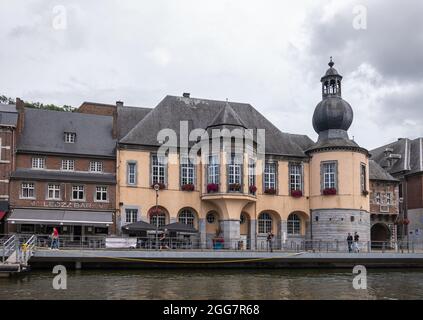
{"x":331,"y":81}
{"x":331,"y":63}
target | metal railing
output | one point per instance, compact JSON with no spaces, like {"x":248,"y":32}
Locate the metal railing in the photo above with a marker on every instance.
{"x":8,"y":247}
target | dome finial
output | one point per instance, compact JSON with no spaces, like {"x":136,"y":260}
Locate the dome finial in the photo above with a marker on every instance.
{"x":331,"y":63}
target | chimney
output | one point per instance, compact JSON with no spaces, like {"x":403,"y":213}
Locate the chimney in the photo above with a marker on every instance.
{"x":114,"y":123}
{"x":186,"y":94}
{"x":21,"y":115}
{"x":119,"y":104}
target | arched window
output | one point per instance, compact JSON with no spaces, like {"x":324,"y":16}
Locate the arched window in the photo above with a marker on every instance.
{"x":186,"y":216}
{"x":211,"y":217}
{"x":264,"y":223}
{"x":294,"y":224}
{"x":161,"y":217}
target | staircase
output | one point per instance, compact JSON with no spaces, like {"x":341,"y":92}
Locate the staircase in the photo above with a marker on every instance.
{"x":16,"y":254}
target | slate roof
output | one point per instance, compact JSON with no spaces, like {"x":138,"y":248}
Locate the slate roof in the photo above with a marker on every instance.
{"x":201,"y":113}
{"x":411,"y":152}
{"x":8,"y":115}
{"x":128,"y":117}
{"x":44,"y":132}
{"x":376,"y":172}
{"x":53,"y":175}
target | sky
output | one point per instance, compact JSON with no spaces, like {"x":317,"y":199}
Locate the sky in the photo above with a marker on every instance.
{"x":268,"y":53}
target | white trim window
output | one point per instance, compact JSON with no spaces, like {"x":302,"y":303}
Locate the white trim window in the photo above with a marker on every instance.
{"x":70,"y":137}
{"x":329,"y":175}
{"x":158,"y":169}
{"x":251,"y":172}
{"x":161,"y":219}
{"x":38,"y":163}
{"x":78,"y":193}
{"x":213,"y":169}
{"x":28,"y":190}
{"x":293,"y":224}
{"x":388,"y":198}
{"x":265,"y":222}
{"x":270,"y":175}
{"x":68,"y":165}
{"x":100,"y":194}
{"x":187,"y":217}
{"x":53,"y":191}
{"x":363,"y":177}
{"x":187,"y":171}
{"x":96,"y":166}
{"x":131,"y":215}
{"x":377,"y":197}
{"x":235,"y":170}
{"x":132,"y":173}
{"x":295,"y":176}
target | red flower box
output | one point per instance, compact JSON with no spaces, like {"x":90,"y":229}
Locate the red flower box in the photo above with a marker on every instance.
{"x":329,"y":191}
{"x":296,"y":193}
{"x":270,"y":191}
{"x":234,"y":187}
{"x":212,"y":187}
{"x":161,"y":185}
{"x":253,"y":189}
{"x":188,"y":187}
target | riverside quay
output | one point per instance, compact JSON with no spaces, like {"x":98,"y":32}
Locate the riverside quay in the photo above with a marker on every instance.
{"x":205,"y":174}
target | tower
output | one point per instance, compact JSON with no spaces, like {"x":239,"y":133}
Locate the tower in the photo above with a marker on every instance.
{"x":339,"y":167}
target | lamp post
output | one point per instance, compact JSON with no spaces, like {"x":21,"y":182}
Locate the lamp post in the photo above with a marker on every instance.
{"x":157,"y":188}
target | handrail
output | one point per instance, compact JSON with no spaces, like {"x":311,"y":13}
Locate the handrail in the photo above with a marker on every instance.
{"x":9,"y":246}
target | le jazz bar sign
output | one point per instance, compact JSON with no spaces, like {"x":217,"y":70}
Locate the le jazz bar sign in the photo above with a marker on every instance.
{"x":69,"y":204}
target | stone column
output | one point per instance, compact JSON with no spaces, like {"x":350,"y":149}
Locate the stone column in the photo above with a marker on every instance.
{"x":231,"y":233}
{"x":283,"y":234}
{"x":253,"y":234}
{"x":203,"y":233}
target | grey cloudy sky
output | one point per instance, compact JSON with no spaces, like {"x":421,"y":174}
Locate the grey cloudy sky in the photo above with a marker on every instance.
{"x":268,"y":53}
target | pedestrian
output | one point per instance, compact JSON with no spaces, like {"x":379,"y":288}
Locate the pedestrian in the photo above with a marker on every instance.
{"x":356,"y":239}
{"x":350,"y":242}
{"x":270,"y":236}
{"x":55,"y":239}
{"x":163,"y":241}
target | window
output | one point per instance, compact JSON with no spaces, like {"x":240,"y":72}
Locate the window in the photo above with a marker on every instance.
{"x":101,"y":193}
{"x":187,"y":171}
{"x":363,"y":177}
{"x":211,"y":217}
{"x":158,"y":169}
{"x":68,"y":165}
{"x":28,"y":190}
{"x":264,"y":223}
{"x":294,"y":224}
{"x":187,"y":217}
{"x":388,"y":199}
{"x":131,"y":215}
{"x":161,"y":217}
{"x":213,"y":169}
{"x":70,"y":137}
{"x":38,"y":163}
{"x":242,"y":218}
{"x":53,"y":191}
{"x":132,"y":173}
{"x":251,"y":173}
{"x":295,"y":176}
{"x":96,"y":166}
{"x":270,"y":175}
{"x":78,"y":193}
{"x":329,"y":175}
{"x":377,"y":197}
{"x":235,"y":170}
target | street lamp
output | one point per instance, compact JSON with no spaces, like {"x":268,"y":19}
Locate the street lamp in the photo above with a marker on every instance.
{"x":157,"y":188}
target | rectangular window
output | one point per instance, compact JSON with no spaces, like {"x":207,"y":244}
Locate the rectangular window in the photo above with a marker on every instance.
{"x":213,"y":169}
{"x":329,"y":175}
{"x":363,"y":177}
{"x":28,"y":190}
{"x":377,"y":197}
{"x":131,"y":215}
{"x":101,"y":193}
{"x":187,"y":171}
{"x":68,"y":165}
{"x":251,"y":174}
{"x":96,"y":166}
{"x":235,"y":171}
{"x":158,"y":169}
{"x":53,"y":191}
{"x":38,"y":163}
{"x":78,"y":193}
{"x":295,"y":176}
{"x":70,"y":137}
{"x":270,"y":175}
{"x":388,"y":198}
{"x":132,"y":172}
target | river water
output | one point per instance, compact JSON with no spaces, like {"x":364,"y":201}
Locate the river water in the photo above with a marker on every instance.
{"x":215,"y":284}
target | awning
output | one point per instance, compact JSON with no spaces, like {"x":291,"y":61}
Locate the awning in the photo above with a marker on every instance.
{"x":60,"y":217}
{"x":138,"y":226}
{"x":2,"y":214}
{"x":178,"y":227}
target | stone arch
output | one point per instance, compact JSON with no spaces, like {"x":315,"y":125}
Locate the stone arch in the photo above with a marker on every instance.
{"x":262,"y":221}
{"x":163,"y":215}
{"x":380,"y":233}
{"x":296,"y":223}
{"x":184,"y":216}
{"x":213,"y":218}
{"x":244,"y":225}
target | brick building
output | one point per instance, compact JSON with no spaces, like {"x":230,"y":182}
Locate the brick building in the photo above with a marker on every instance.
{"x":65,"y":174}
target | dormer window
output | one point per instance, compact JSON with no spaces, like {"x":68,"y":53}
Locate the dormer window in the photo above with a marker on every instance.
{"x":70,"y":137}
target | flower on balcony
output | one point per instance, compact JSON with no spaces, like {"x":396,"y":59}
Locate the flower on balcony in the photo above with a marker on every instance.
{"x":161,"y":185}
{"x":296,"y":193}
{"x":212,"y":187}
{"x":270,"y":190}
{"x":155,"y":211}
{"x":364,"y":192}
{"x":252,"y":189}
{"x":329,"y":191}
{"x":188,"y":187}
{"x":235,"y":187}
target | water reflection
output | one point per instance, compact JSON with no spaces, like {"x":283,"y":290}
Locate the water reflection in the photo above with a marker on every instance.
{"x":216,"y":284}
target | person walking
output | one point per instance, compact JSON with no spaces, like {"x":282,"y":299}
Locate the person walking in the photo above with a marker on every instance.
{"x":356,"y":239}
{"x":270,"y":236}
{"x":350,"y":242}
{"x":55,"y":239}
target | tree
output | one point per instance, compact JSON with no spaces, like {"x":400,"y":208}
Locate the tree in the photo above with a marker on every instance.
{"x":37,"y":105}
